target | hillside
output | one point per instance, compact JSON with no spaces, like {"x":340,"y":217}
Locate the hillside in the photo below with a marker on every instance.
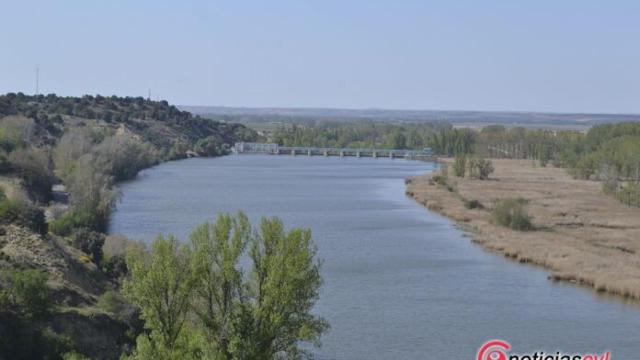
{"x":157,"y":122}
{"x":60,"y":161}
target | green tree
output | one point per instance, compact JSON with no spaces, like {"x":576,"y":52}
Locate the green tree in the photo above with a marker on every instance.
{"x":397,"y":140}
{"x":216,"y":251}
{"x":284,"y":285}
{"x":460,"y":165}
{"x":161,"y":285}
{"x":264,"y":314}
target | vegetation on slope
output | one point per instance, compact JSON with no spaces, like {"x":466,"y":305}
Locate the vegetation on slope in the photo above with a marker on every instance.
{"x":52,"y":242}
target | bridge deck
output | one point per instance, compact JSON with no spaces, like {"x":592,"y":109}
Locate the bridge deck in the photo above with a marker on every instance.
{"x":275,"y":149}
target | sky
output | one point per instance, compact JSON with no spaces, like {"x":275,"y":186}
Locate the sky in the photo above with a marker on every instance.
{"x":511,"y":55}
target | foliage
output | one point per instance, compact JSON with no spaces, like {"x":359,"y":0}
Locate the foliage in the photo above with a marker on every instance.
{"x":33,"y":167}
{"x":22,"y":213}
{"x":629,"y":194}
{"x":479,"y":168}
{"x":216,"y":252}
{"x":211,"y":146}
{"x":115,"y":267}
{"x":442,"y":178}
{"x":154,"y":122}
{"x":161,"y":285}
{"x":117,"y":305}
{"x":396,"y":140}
{"x":264,"y":314}
{"x":460,"y":165}
{"x":473,"y":204}
{"x":284,"y":286}
{"x":512,"y":213}
{"x":360,"y":134}
{"x":22,"y":338}
{"x":122,"y":156}
{"x":15,"y":132}
{"x":450,"y":141}
{"x":74,"y":356}
{"x":87,"y":215}
{"x":28,"y":292}
{"x":90,"y":242}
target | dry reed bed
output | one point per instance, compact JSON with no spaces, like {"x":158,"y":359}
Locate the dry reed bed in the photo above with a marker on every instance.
{"x":583,"y":236}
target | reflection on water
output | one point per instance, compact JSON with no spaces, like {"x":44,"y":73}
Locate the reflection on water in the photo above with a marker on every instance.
{"x":400,"y":282}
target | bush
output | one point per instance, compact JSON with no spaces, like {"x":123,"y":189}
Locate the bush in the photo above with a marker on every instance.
{"x":441,"y":179}
{"x":473,"y":204}
{"x":460,"y":165}
{"x":78,"y":218}
{"x":512,"y":213}
{"x":28,"y":292}
{"x":211,"y":146}
{"x":90,"y":242}
{"x":479,"y":168}
{"x":32,"y":166}
{"x":115,"y":267}
{"x":115,"y":304}
{"x":22,"y":213}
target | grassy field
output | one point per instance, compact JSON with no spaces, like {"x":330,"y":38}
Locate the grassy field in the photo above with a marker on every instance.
{"x":580,"y":234}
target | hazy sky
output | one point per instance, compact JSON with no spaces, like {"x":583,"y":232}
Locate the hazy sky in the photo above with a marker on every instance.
{"x":545,"y":55}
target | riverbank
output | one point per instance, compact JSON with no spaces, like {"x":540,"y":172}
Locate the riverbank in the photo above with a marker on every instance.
{"x":582,"y":235}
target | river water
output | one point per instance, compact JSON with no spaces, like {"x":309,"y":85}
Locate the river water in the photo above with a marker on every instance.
{"x":400,"y":282}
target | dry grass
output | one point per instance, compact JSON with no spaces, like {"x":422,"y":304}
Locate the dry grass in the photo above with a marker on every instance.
{"x":583,"y":236}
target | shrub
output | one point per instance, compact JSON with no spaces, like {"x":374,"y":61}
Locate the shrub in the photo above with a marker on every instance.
{"x":84,"y":216}
{"x":211,"y":146}
{"x":442,"y":178}
{"x":22,"y":213}
{"x":460,"y":165}
{"x":512,"y":213}
{"x":479,"y":168}
{"x":90,"y":242}
{"x":114,"y":303}
{"x":115,"y":267}
{"x":32,"y":166}
{"x":473,"y":204}
{"x":28,"y":291}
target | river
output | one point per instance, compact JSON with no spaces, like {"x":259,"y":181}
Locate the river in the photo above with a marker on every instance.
{"x":400,"y":282}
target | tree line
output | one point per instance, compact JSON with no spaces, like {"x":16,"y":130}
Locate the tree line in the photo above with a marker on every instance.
{"x":609,"y":153}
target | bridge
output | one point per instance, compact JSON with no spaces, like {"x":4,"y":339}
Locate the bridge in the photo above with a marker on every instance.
{"x":275,"y":149}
